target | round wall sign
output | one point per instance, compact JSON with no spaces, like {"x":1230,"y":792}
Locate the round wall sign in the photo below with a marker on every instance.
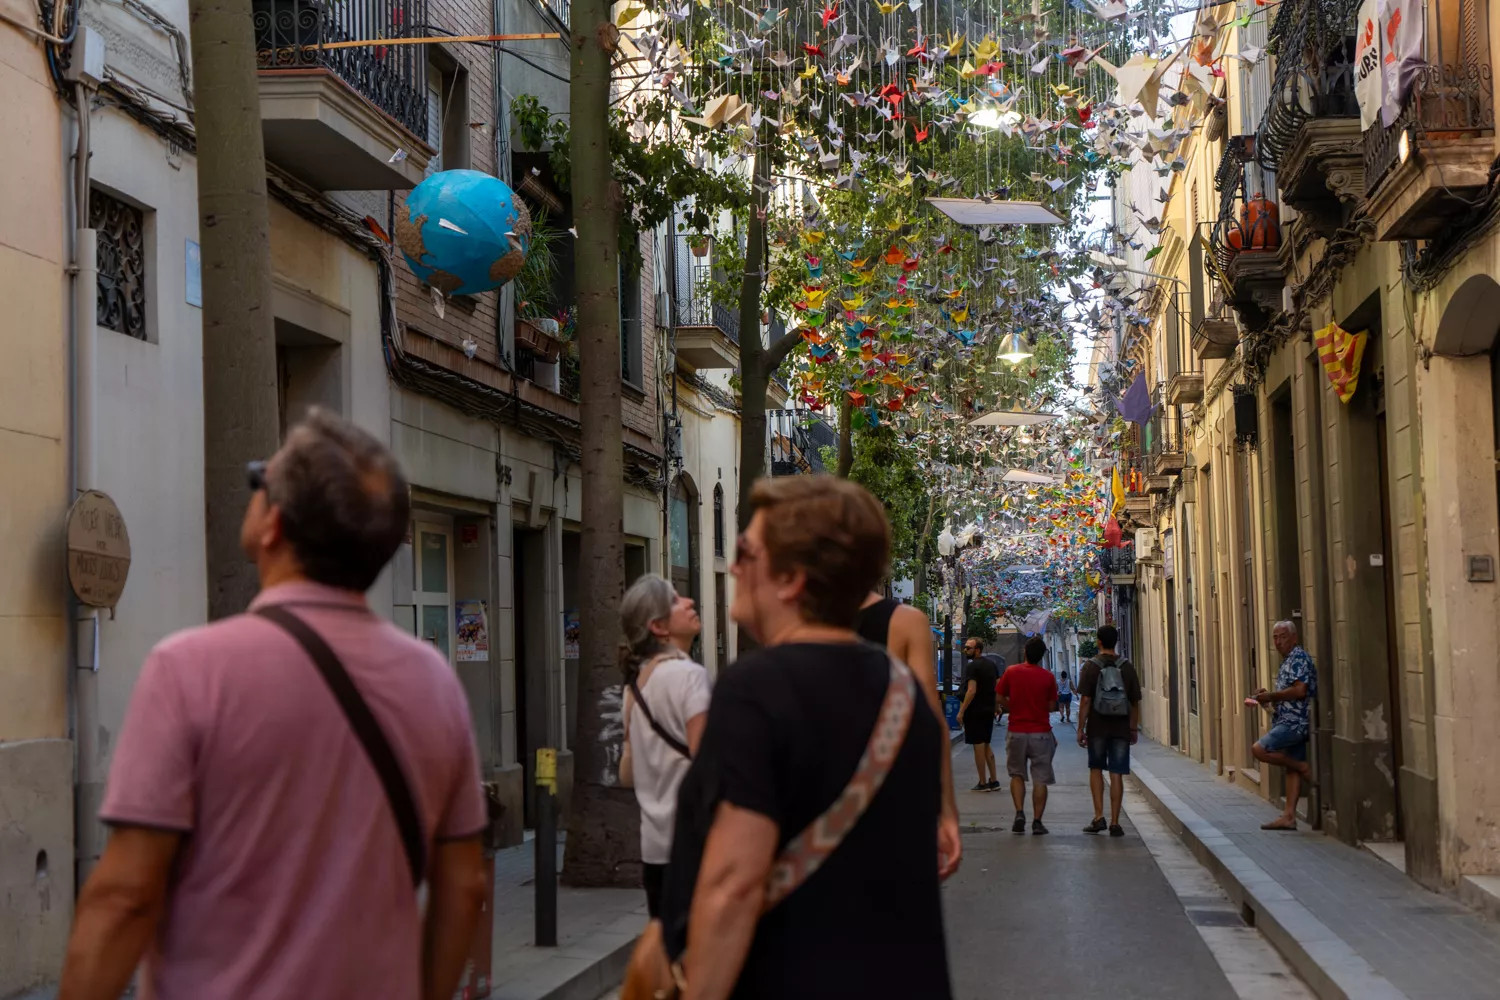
{"x":98,"y":550}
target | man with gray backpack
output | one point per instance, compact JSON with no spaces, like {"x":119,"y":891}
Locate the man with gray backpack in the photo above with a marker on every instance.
{"x":1109,"y":717}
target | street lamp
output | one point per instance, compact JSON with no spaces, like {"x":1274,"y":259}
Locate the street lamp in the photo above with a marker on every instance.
{"x":1016,"y":349}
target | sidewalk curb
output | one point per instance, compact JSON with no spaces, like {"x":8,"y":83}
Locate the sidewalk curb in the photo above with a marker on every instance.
{"x":1333,"y":969}
{"x":597,"y":979}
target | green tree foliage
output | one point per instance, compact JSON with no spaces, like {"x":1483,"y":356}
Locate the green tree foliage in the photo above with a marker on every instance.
{"x":885,"y":467}
{"x":655,"y":163}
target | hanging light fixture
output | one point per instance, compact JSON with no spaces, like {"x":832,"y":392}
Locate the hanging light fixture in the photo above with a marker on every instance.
{"x":1016,"y":349}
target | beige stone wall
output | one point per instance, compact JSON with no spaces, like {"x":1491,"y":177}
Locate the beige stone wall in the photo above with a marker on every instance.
{"x":1458,"y":520}
{"x":36,"y":765}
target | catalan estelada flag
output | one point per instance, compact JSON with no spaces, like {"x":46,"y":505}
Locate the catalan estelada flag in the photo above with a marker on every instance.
{"x":1341,"y":351}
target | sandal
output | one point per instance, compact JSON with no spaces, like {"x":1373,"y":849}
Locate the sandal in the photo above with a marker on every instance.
{"x":1280,"y":824}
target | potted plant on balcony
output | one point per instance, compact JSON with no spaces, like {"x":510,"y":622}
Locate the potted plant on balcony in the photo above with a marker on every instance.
{"x":699,"y":245}
{"x":537,"y":330}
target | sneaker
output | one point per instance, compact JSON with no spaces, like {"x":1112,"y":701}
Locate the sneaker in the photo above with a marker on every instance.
{"x":1019,"y":826}
{"x":994,"y":786}
{"x":1116,"y":830}
{"x":1097,"y":826}
{"x":982,"y":787}
{"x":1037,"y":829}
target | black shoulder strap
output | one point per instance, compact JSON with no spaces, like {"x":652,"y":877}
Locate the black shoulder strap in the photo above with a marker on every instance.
{"x":657,"y":727}
{"x":366,"y":729}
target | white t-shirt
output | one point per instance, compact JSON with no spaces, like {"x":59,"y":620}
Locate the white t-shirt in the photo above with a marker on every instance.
{"x":676,"y":690}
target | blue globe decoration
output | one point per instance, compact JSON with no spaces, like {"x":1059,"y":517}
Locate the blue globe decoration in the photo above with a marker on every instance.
{"x":464,"y":232}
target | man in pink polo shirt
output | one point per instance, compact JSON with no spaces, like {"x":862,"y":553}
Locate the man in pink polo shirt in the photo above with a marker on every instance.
{"x":261,"y":849}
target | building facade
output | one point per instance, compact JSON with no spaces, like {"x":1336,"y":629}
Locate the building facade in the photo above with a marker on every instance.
{"x":1283,"y":486}
{"x":477,"y":396}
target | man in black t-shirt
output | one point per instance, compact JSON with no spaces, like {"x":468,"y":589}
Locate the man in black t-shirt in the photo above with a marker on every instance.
{"x":977,"y":713}
{"x":1108,"y":737}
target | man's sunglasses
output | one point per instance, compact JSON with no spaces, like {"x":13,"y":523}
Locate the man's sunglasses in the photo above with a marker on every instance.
{"x":742,"y":551}
{"x":255,"y":475}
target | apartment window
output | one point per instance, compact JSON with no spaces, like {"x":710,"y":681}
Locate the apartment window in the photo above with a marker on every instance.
{"x":631,"y":355}
{"x":120,"y":304}
{"x":447,"y":113}
{"x":719,"y":520}
{"x":683,"y":547}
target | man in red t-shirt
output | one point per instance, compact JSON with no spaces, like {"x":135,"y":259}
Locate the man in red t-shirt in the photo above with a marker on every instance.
{"x":1028,"y":692}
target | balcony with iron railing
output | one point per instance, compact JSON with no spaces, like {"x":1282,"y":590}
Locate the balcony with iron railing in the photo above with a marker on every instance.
{"x":1119,"y":564}
{"x":1184,"y":369}
{"x":797,"y":439}
{"x":708,"y":329}
{"x":1163,"y":443}
{"x":1309,"y":134}
{"x":337,"y":118}
{"x":1424,"y":170}
{"x":1245,"y":242}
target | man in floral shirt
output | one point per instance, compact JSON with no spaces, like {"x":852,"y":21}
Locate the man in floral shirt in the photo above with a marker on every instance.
{"x":1285,"y":745}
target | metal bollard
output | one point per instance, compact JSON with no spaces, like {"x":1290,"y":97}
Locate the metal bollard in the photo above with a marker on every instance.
{"x":546,"y":848}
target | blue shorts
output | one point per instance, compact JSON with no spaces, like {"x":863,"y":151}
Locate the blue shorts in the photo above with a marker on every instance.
{"x":1286,"y":740}
{"x":1109,"y":753}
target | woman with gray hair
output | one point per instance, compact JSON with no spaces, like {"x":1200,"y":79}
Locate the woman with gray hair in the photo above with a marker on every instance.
{"x":666,"y":707}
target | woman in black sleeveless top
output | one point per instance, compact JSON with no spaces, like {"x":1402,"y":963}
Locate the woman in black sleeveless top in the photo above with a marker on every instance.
{"x":874,"y":622}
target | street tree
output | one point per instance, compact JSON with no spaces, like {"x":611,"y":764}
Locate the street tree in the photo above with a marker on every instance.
{"x":240,"y":418}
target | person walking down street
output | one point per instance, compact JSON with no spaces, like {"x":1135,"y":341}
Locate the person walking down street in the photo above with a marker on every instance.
{"x":1109,"y":719}
{"x":1285,"y":744}
{"x":977,"y":712}
{"x":287,"y":779}
{"x":1028,"y":691}
{"x":907,"y":634}
{"x":1065,"y":695}
{"x":666,"y":707}
{"x":813,"y":731}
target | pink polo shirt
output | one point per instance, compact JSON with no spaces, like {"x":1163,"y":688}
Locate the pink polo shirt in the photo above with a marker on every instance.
{"x":292,"y":881}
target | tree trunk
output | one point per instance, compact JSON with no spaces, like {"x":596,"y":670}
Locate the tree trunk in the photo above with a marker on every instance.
{"x":846,"y":436}
{"x":603,"y":828}
{"x":758,"y":360}
{"x":241,"y":420}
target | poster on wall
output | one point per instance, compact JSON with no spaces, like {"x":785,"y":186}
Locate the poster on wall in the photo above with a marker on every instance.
{"x":1367,"y":74}
{"x":473,"y":629}
{"x":571,"y":631}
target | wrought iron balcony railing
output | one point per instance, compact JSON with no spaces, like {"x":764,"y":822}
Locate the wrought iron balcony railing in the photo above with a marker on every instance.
{"x":1118,"y":562}
{"x":797,"y":439}
{"x":289,"y":35}
{"x":696,"y":305}
{"x":1163,"y":432}
{"x":1313,"y":41}
{"x":1249,"y":219}
{"x":1446,"y":101}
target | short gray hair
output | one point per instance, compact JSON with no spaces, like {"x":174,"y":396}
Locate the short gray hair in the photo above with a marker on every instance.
{"x":1289,"y":626}
{"x":345,"y":506}
{"x":648,"y":600}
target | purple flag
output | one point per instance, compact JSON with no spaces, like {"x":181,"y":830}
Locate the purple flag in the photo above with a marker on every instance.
{"x":1135,"y":405}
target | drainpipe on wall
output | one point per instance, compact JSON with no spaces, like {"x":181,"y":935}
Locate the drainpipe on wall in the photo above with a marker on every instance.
{"x":82,"y":474}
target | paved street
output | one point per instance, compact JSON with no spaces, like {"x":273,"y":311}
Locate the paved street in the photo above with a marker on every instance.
{"x":1073,"y":915}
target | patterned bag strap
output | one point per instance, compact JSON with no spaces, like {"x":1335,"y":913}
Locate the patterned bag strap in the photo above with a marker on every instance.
{"x":807,"y":851}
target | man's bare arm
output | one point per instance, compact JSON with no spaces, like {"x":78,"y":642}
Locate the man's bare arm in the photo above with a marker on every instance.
{"x":456,"y":891}
{"x":912,"y":642}
{"x":117,"y":913}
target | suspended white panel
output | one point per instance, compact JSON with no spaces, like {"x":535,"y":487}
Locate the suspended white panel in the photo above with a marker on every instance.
{"x":1011,"y":418}
{"x":1038,"y":478}
{"x":973,"y":212}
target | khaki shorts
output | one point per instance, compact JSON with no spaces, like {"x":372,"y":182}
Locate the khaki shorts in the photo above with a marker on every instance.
{"x":1037,"y":749}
